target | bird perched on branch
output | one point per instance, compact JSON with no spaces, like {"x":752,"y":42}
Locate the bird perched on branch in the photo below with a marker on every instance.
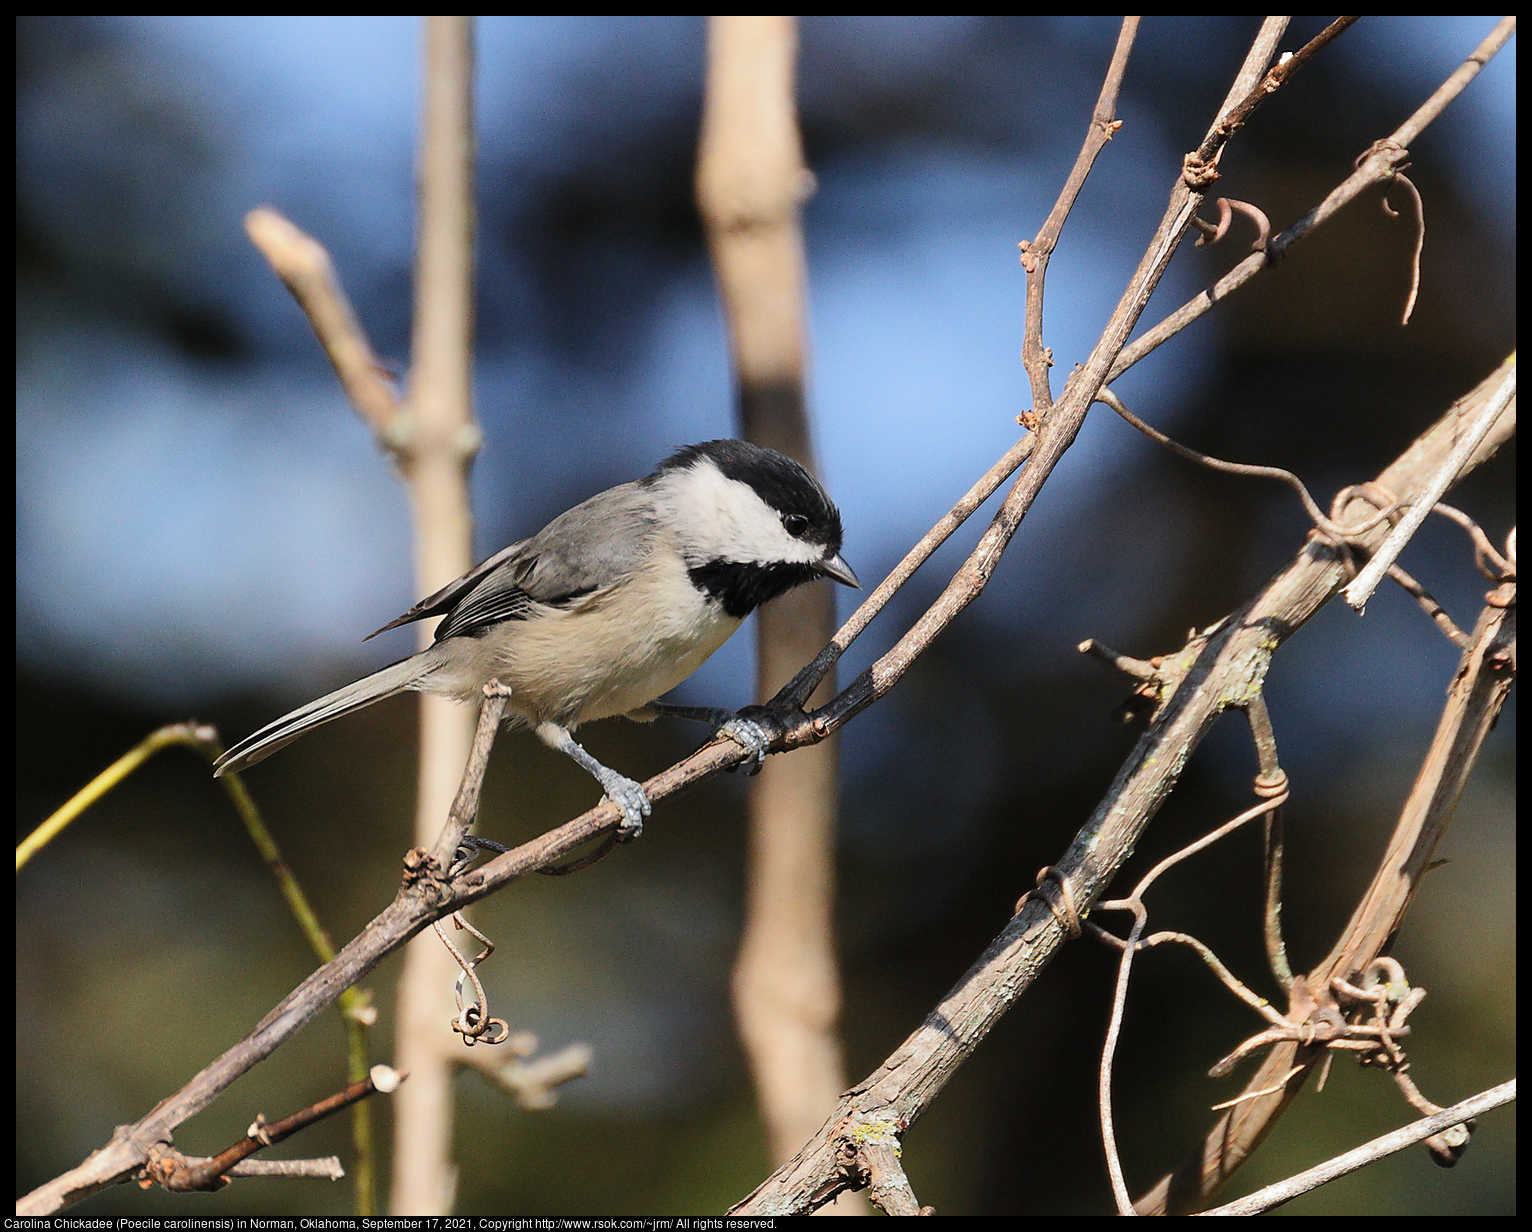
{"x":610,"y":605}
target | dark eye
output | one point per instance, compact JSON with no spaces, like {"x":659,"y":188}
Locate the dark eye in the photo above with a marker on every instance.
{"x":795,"y":523}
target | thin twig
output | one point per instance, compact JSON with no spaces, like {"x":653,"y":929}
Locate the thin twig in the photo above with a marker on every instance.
{"x":188,"y":1176}
{"x":1200,"y":165}
{"x":1377,"y":165}
{"x":1273,"y":1196}
{"x":1120,"y":1194}
{"x":1035,"y":358}
{"x":1135,"y":904}
{"x":1227,"y":978}
{"x":1361,"y":587}
{"x":320,"y":1168}
{"x":1490,"y":562}
{"x":1333,"y":530}
{"x":198,"y":736}
{"x":797,"y":692}
{"x":1483,"y":549}
{"x":1138,"y":669}
{"x":465,"y":805}
{"x":1430,"y":606}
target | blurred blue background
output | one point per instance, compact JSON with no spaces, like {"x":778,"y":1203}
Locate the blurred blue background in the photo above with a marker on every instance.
{"x":205,"y":528}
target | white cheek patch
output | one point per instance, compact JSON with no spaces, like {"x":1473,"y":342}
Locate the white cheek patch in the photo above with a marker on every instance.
{"x":718,"y":518}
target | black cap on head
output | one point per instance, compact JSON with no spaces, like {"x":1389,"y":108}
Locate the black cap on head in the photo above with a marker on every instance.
{"x":782,"y":483}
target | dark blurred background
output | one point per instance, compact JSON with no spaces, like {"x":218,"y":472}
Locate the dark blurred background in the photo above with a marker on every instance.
{"x":205,"y":529}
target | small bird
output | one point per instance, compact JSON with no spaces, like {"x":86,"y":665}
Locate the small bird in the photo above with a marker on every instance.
{"x":610,"y":605}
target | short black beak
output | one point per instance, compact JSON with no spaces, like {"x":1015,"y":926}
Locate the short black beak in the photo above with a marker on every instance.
{"x":836,"y":567}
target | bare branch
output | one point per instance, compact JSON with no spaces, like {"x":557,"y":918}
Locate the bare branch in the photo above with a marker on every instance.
{"x":304,"y":265}
{"x":1474,"y":700}
{"x":1377,"y":165}
{"x":1034,"y":255}
{"x":1273,"y":1196}
{"x":532,"y":1083}
{"x":1234,"y":117}
{"x":797,"y":692}
{"x":1223,"y":666}
{"x":1362,"y":586}
{"x":465,"y":805}
{"x":182,"y":1174}
{"x":1430,"y":606}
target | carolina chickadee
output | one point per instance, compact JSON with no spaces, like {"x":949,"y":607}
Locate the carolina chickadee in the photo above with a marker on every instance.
{"x":610,"y":605}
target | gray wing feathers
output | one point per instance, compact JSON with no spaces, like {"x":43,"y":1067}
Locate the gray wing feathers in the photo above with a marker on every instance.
{"x":445,"y":598}
{"x":592,"y":545}
{"x":584,"y":550}
{"x":262,"y":744}
{"x":596,"y":543}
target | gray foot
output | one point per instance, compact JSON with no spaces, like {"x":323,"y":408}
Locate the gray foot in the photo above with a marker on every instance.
{"x":746,"y":733}
{"x":629,"y":797}
{"x":750,"y":736}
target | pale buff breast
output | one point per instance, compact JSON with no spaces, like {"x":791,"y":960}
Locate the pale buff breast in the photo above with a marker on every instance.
{"x":587,"y":662}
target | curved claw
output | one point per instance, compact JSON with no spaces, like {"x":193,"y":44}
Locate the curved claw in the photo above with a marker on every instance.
{"x":630,"y":799}
{"x":750,"y":736}
{"x":745,"y":732}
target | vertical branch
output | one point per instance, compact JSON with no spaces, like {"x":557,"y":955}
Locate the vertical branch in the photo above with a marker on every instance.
{"x":439,"y":439}
{"x":750,"y":183}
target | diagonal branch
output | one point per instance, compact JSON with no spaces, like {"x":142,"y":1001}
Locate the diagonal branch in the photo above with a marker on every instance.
{"x":1223,"y":666}
{"x":1274,"y":1196}
{"x":1477,"y":693}
{"x":1234,"y":117}
{"x":1054,"y":437}
{"x":304,"y":265}
{"x":1376,"y":166}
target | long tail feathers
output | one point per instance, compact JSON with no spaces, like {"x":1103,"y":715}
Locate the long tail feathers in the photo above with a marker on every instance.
{"x":395,"y":678}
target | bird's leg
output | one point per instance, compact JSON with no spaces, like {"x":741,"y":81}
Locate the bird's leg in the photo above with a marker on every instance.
{"x":746,"y":733}
{"x":622,"y":791}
